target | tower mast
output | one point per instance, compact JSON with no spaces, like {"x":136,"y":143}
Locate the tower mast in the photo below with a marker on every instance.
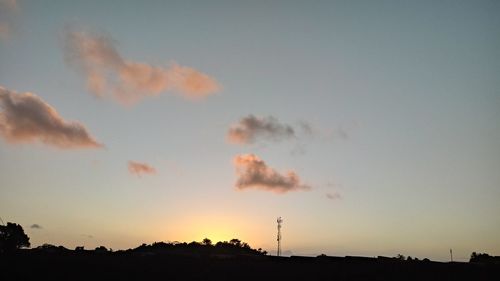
{"x":279,"y":221}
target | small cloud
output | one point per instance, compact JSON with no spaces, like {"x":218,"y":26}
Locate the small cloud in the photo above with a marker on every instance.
{"x":340,"y":132}
{"x":333,"y":196}
{"x":87,"y":236}
{"x":36,"y":226}
{"x":140,"y":168}
{"x":253,"y":172}
{"x":25,"y":117}
{"x":109,"y":74}
{"x":250,"y":128}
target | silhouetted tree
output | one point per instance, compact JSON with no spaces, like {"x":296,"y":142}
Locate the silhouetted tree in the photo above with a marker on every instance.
{"x":101,"y":249}
{"x":483,"y":258}
{"x":46,"y":246}
{"x":235,"y":242}
{"x":400,"y":257}
{"x":262,"y":251}
{"x":12,"y":237}
{"x":473,"y":256}
{"x":49,"y":248}
{"x":207,"y":242}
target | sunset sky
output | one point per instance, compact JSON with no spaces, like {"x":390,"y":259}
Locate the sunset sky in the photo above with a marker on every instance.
{"x":371,"y":127}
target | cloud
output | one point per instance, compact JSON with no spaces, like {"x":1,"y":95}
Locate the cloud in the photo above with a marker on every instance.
{"x":249,"y":128}
{"x":333,"y":196}
{"x":24,"y":117}
{"x":36,"y":226}
{"x":253,"y":172}
{"x":108,"y":74}
{"x":140,"y":168}
{"x":8,"y":8}
{"x":340,"y":132}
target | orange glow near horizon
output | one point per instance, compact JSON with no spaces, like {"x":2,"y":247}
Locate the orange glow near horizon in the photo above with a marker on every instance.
{"x":214,"y":227}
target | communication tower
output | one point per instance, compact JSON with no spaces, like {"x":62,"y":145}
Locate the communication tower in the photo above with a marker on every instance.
{"x":279,"y":221}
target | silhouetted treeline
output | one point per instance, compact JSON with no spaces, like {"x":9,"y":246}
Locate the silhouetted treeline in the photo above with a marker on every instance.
{"x":484,"y":258}
{"x":155,"y":262}
{"x":233,"y":247}
{"x":228,"y":260}
{"x":220,"y":249}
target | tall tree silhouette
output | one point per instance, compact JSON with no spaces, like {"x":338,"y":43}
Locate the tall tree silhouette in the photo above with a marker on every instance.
{"x":12,"y":237}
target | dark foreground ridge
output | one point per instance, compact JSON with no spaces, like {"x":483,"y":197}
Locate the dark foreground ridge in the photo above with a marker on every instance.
{"x":225,"y":261}
{"x":233,"y":260}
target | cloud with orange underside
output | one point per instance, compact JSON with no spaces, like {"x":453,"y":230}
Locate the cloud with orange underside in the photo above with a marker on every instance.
{"x":26,"y":118}
{"x":254,"y":173}
{"x":138,"y":168}
{"x":109,"y":75}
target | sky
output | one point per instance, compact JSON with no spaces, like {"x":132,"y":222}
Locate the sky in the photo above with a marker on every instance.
{"x":371,"y":127}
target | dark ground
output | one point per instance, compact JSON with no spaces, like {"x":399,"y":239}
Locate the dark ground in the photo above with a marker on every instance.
{"x":92,"y":265}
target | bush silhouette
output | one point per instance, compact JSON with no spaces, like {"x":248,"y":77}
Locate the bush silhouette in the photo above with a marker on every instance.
{"x":207,"y":242}
{"x":483,"y":258}
{"x":101,"y":249}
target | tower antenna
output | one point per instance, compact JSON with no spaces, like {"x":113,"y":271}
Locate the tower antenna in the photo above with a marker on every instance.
{"x":279,"y":221}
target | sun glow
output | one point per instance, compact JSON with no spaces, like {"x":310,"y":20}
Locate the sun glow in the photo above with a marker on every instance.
{"x":214,"y":227}
{"x":215,"y":230}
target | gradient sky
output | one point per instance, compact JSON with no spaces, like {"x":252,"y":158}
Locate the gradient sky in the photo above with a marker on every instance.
{"x":402,"y":99}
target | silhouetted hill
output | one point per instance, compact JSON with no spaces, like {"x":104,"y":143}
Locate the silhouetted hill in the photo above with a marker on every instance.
{"x":222,"y":249}
{"x":225,"y":261}
{"x":233,"y":260}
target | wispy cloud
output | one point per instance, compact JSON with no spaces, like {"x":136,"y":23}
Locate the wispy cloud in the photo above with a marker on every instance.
{"x":138,"y":168}
{"x":250,"y":128}
{"x":253,"y":172}
{"x":333,"y":196}
{"x":8,"y":9}
{"x":109,"y":74}
{"x":36,"y":226}
{"x":24,"y":117}
{"x":339,"y":132}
